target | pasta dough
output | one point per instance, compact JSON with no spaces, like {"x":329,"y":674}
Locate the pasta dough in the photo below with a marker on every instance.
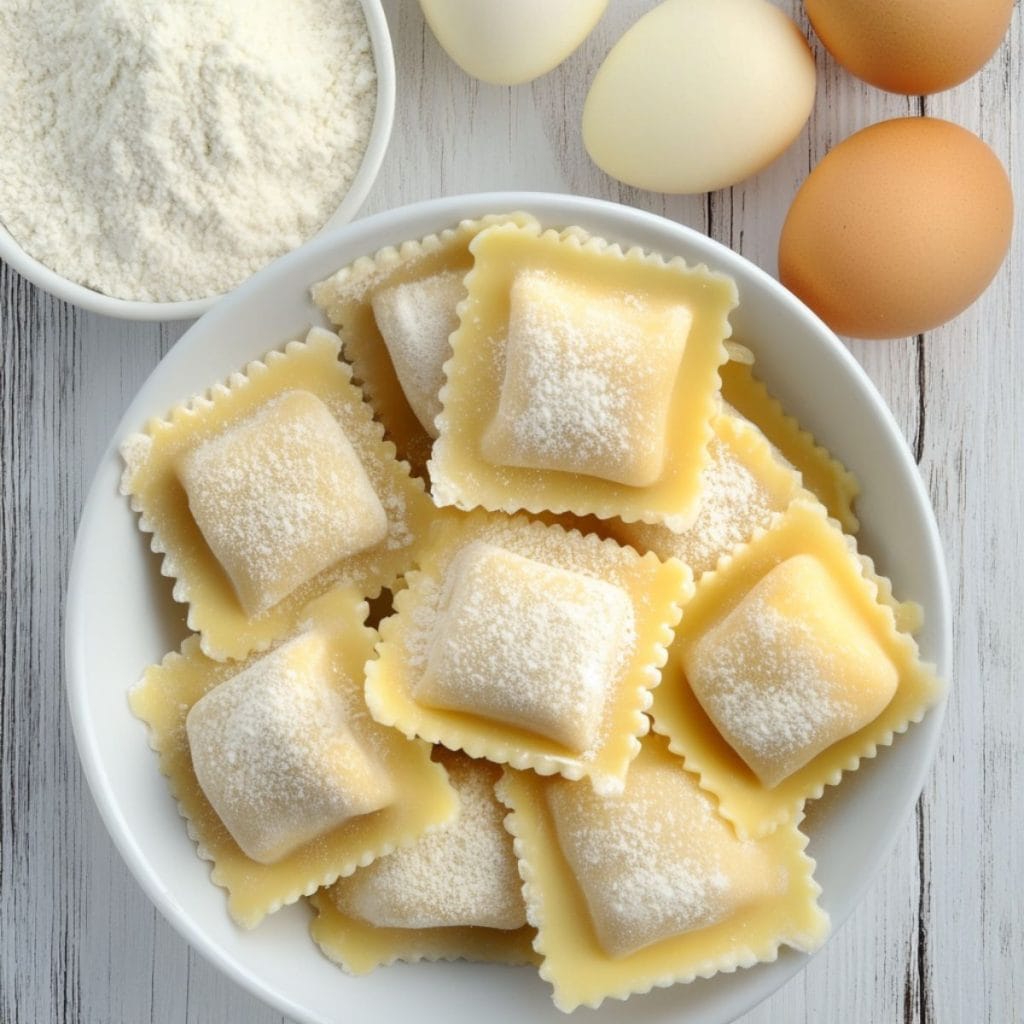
{"x":650,"y":886}
{"x":281,"y":496}
{"x":823,"y":475}
{"x":279,"y":490}
{"x":414,"y":319}
{"x":527,"y":643}
{"x":287,"y":729}
{"x":515,"y":639}
{"x":790,"y":670}
{"x":274,"y":755}
{"x":790,"y":666}
{"x":391,"y":310}
{"x":745,"y":483}
{"x":656,"y":860}
{"x":589,"y":375}
{"x":464,"y":874}
{"x":583,"y":379}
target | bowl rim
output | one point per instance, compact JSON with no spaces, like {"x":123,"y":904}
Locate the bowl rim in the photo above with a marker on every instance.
{"x":555,"y":207}
{"x":94,"y":301}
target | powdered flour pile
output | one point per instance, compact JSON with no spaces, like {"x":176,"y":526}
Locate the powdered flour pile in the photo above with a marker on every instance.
{"x":167,"y":149}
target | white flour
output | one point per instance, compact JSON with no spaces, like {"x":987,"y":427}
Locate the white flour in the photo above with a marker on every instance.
{"x":167,"y":149}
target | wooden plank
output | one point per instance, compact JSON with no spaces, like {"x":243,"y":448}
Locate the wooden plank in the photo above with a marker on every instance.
{"x":937,"y":938}
{"x":974,"y":465}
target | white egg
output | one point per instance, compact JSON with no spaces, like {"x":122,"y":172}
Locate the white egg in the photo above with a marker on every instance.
{"x":699,"y":94}
{"x":507,"y":42}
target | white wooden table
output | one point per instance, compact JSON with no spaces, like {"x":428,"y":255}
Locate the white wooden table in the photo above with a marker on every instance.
{"x":939,"y":935}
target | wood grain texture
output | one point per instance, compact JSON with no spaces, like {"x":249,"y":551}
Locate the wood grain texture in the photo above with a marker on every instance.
{"x":938,"y":936}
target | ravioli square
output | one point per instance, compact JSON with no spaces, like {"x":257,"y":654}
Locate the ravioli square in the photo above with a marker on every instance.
{"x":454,"y":893}
{"x":394,"y":312}
{"x":281,"y":496}
{"x":415,"y":319}
{"x":746,"y":483}
{"x":462,"y":874}
{"x":790,"y":670}
{"x":270,"y":489}
{"x":284,"y":779}
{"x":528,"y":644}
{"x":650,"y":886}
{"x":588,"y":381}
{"x":655,"y":861}
{"x":789,"y":667}
{"x":274,"y":754}
{"x":583,"y":379}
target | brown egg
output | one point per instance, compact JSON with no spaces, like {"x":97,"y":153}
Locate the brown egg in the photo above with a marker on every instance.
{"x":911,"y":46}
{"x":898,"y":229}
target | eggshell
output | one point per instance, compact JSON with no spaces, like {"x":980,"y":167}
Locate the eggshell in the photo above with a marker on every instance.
{"x":898,"y":229}
{"x":507,"y":42}
{"x":911,"y":46}
{"x":698,"y":95}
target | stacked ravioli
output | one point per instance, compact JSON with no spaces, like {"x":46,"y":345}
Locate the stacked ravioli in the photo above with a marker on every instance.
{"x":620,"y":628}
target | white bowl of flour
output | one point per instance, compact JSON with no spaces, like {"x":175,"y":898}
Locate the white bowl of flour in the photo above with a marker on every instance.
{"x":154,"y":154}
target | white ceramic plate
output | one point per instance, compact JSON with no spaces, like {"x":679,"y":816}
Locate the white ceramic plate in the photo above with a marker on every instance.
{"x":129,"y":309}
{"x":120,"y":618}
